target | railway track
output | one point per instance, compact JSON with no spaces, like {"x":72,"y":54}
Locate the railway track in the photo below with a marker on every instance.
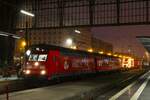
{"x":19,"y":85}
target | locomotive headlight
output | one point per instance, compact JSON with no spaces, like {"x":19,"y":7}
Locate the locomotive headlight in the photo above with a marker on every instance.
{"x":43,"y":72}
{"x":27,"y":72}
{"x":28,"y":52}
{"x":36,"y":64}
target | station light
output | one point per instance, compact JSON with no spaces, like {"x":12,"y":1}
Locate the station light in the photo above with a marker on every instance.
{"x":3,"y":34}
{"x":120,"y":56}
{"x":101,"y":52}
{"x":124,"y":56}
{"x":27,"y":13}
{"x":6,"y":35}
{"x":115,"y":55}
{"x":23,"y":44}
{"x":21,"y":57}
{"x":74,"y":47}
{"x":9,"y":34}
{"x":90,"y":50}
{"x":16,"y":37}
{"x":69,"y":42}
{"x":109,"y":54}
{"x":77,"y":31}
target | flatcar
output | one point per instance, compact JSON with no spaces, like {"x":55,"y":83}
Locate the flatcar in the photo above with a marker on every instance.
{"x":53,"y":62}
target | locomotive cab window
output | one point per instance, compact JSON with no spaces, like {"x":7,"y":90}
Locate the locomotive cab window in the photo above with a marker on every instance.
{"x":38,"y":57}
{"x":33,"y":57}
{"x":42,"y":57}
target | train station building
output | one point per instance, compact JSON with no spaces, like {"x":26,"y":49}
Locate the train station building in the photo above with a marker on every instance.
{"x":80,"y":38}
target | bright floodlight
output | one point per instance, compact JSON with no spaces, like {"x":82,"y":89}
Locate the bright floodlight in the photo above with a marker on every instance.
{"x":69,"y":41}
{"x":27,"y":13}
{"x":23,"y":43}
{"x":28,"y":52}
{"x":77,"y":31}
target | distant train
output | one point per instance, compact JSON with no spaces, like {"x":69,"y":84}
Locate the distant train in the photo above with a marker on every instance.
{"x":53,"y":62}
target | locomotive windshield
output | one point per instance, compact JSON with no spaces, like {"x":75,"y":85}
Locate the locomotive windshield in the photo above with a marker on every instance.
{"x":38,"y":57}
{"x":42,"y":57}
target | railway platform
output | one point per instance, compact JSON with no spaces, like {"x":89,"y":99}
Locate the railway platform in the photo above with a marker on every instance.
{"x":13,"y":77}
{"x":86,"y":89}
{"x":137,"y":90}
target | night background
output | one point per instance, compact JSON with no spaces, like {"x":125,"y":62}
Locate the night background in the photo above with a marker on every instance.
{"x":8,"y":9}
{"x":109,"y":19}
{"x":74,"y":49}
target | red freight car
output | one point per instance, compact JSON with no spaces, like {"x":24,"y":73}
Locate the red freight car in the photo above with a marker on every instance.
{"x":53,"y":62}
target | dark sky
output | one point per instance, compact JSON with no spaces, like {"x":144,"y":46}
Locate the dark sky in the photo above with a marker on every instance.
{"x":123,"y":37}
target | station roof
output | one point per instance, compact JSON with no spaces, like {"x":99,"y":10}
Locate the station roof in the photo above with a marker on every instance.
{"x":145,"y":40}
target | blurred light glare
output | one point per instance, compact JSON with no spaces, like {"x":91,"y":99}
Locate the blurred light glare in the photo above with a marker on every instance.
{"x":90,"y":50}
{"x":109,"y":54}
{"x":28,"y":52}
{"x":115,"y":55}
{"x":3,"y":34}
{"x":27,"y":13}
{"x":16,"y":37}
{"x":120,"y":56}
{"x":43,"y":72}
{"x":69,"y":41}
{"x":101,"y":52}
{"x":77,"y":31}
{"x":74,"y":47}
{"x":23,"y":43}
{"x":36,"y":64}
{"x":27,"y":72}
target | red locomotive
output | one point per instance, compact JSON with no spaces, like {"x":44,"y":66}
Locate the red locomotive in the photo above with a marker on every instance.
{"x":53,"y":62}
